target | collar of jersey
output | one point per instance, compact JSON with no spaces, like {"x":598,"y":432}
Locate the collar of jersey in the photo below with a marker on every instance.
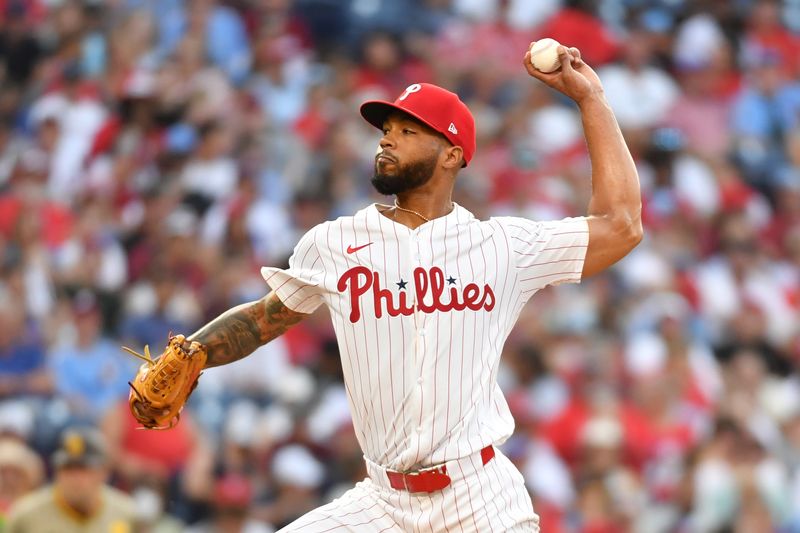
{"x":458,"y":215}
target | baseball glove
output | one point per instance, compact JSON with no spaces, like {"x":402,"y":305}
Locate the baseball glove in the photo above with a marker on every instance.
{"x":162,"y":386}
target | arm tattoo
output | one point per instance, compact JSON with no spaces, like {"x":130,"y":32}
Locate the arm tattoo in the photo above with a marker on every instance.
{"x":239,"y":331}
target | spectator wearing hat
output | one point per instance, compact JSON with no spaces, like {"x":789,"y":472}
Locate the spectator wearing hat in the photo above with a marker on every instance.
{"x":298,"y":476}
{"x":151,"y":510}
{"x":78,"y":500}
{"x":21,"y":471}
{"x":601,"y":458}
{"x":701,"y":112}
{"x":640,"y":92}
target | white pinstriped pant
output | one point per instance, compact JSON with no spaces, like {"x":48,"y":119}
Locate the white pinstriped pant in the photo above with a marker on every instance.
{"x":480,"y":498}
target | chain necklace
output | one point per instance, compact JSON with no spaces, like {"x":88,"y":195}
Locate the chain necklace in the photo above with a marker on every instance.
{"x":396,"y":206}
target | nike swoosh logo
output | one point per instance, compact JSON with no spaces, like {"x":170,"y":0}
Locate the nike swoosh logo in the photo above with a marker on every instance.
{"x":352,"y":250}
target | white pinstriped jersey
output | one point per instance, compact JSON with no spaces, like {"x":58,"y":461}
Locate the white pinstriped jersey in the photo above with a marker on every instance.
{"x":421,"y":317}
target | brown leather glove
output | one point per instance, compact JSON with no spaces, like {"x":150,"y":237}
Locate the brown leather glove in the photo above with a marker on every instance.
{"x":162,"y":386}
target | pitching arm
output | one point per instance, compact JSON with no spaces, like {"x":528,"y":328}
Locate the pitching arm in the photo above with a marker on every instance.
{"x":236,"y":333}
{"x":615,"y":207}
{"x":615,"y":225}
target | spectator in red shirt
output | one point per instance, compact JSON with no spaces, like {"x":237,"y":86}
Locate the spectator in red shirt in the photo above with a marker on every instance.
{"x":766,"y":30}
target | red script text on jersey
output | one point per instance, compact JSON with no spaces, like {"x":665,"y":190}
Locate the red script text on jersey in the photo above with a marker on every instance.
{"x":429,"y":287}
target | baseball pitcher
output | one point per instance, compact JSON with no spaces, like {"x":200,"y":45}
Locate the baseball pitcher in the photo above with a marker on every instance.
{"x":422,"y":297}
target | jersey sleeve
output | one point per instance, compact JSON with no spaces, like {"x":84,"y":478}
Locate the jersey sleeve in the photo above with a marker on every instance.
{"x":547,"y":253}
{"x":300,"y":287}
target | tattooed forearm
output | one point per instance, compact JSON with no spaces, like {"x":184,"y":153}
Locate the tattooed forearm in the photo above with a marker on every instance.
{"x":239,"y":331}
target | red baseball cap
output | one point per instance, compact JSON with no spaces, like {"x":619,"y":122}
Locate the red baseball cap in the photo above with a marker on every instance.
{"x":430,"y":104}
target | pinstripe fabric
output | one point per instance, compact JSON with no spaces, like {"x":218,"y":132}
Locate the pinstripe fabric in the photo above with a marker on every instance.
{"x":502,"y":504}
{"x":421,"y":317}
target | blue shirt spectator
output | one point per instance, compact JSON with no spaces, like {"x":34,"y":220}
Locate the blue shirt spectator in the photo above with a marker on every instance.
{"x":226,"y":39}
{"x":763,"y":115}
{"x":92,"y":373}
{"x":22,"y":356}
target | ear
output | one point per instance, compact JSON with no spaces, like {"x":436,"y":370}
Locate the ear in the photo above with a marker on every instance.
{"x":453,"y":157}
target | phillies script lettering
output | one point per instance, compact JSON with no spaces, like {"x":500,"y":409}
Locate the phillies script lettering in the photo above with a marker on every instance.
{"x":429,"y":287}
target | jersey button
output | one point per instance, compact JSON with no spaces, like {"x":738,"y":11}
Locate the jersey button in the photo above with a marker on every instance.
{"x":419,"y":429}
{"x":417,"y":257}
{"x":422,"y":333}
{"x":419,"y":380}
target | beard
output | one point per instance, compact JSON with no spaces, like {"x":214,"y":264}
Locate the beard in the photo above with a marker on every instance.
{"x":405,"y":177}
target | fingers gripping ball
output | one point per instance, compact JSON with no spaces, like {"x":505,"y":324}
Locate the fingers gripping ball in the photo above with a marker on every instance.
{"x":544,"y":55}
{"x":162,"y":386}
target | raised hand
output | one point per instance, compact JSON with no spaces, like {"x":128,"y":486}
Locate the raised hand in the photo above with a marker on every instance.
{"x":575,"y":78}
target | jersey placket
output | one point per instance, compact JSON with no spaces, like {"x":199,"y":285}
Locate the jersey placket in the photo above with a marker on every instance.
{"x":420,"y":342}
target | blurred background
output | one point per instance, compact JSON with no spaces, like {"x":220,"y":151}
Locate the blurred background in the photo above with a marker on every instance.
{"x":155,"y":154}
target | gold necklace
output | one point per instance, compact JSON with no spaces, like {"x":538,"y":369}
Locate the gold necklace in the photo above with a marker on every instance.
{"x":396,"y":206}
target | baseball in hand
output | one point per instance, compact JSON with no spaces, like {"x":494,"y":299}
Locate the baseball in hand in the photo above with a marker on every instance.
{"x":544,"y":55}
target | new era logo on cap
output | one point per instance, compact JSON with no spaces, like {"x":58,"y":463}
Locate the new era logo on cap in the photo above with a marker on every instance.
{"x":432,"y":105}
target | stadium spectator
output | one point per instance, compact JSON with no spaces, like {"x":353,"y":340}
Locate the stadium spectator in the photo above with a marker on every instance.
{"x":91,"y":374}
{"x":79,"y":498}
{"x":23,"y":363}
{"x":21,"y":472}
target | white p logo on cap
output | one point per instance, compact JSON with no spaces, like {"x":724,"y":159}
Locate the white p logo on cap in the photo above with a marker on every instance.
{"x":413,"y":88}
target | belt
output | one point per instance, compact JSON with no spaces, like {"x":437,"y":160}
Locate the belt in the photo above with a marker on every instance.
{"x":430,"y":479}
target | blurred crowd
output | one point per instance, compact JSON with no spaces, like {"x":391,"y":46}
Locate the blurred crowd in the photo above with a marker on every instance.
{"x":154,"y":154}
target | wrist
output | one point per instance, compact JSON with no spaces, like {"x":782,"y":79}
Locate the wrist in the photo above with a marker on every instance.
{"x":594,"y":97}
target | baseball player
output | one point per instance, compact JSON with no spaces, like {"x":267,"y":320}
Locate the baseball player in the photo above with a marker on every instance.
{"x":422,"y":297}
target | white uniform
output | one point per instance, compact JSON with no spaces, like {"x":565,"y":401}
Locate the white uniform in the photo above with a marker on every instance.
{"x":421,"y":317}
